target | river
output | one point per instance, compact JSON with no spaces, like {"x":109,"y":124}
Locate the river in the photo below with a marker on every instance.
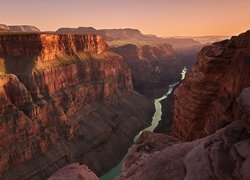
{"x":155,"y":121}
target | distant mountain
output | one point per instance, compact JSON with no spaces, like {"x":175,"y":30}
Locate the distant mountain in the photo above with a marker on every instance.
{"x":4,"y":28}
{"x":24,"y":28}
{"x":123,"y":33}
{"x":108,"y":34}
{"x":205,"y":39}
{"x":80,"y":30}
{"x":131,"y":36}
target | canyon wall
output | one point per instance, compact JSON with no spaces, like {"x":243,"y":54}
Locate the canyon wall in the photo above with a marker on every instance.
{"x":212,"y":101}
{"x":206,"y":100}
{"x":153,"y":67}
{"x":4,"y":28}
{"x":64,"y":98}
{"x":49,"y":46}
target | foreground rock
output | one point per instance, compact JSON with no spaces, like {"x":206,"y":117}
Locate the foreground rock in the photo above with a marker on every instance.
{"x":74,"y":172}
{"x":206,"y":100}
{"x":153,"y":67}
{"x":64,"y":98}
{"x":223,"y":155}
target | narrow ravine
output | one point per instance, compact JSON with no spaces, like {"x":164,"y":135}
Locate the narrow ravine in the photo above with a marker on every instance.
{"x":155,"y":121}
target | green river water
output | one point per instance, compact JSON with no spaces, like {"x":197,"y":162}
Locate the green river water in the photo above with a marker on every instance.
{"x":155,"y":120}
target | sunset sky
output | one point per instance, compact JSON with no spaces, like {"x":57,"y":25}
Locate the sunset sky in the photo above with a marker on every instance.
{"x":160,"y":17}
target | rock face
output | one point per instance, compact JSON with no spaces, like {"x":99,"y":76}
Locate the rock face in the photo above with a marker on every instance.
{"x":74,"y":171}
{"x":153,"y":67}
{"x":64,"y":98}
{"x":24,"y":28}
{"x":108,"y":34}
{"x":223,"y":155}
{"x":4,"y":28}
{"x":206,"y":100}
{"x":50,"y":46}
{"x":215,"y":95}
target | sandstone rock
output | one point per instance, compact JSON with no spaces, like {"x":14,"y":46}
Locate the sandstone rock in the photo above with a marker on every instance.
{"x":64,"y":98}
{"x":44,"y":47}
{"x":74,"y":171}
{"x":223,"y":155}
{"x":206,"y":100}
{"x":153,"y":67}
{"x":244,"y":101}
{"x":4,"y":28}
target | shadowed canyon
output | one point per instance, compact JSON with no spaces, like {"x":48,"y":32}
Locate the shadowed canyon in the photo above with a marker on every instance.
{"x":89,"y":103}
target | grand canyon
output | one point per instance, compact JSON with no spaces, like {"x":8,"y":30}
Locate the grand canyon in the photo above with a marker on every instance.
{"x":84,"y":102}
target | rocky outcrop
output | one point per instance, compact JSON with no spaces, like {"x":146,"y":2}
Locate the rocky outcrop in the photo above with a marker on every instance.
{"x":24,"y":28}
{"x":64,"y":98}
{"x":206,"y":100}
{"x":153,"y":67}
{"x":49,"y":46}
{"x":74,"y":171}
{"x":4,"y":28}
{"x":223,"y":155}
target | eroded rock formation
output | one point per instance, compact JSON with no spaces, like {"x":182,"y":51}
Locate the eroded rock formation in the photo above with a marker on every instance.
{"x":74,"y":171}
{"x":4,"y":28}
{"x":49,"y":46}
{"x":223,"y":155}
{"x":206,"y":100}
{"x":214,"y":96}
{"x":153,"y":67}
{"x":64,"y":98}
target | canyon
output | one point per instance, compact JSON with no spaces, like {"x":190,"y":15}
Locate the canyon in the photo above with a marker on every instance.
{"x":153,"y":68}
{"x":154,"y":65}
{"x":64,"y":98}
{"x":211,"y":110}
{"x":70,"y":102}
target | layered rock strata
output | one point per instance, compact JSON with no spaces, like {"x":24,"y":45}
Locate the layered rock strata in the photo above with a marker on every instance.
{"x":214,"y":96}
{"x":153,"y":67}
{"x":206,"y":100}
{"x":64,"y":98}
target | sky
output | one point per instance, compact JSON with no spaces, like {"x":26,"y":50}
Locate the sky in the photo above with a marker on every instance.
{"x":159,"y":17}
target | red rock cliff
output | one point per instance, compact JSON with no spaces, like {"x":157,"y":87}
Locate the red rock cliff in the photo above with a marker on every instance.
{"x":53,"y":89}
{"x":206,"y":100}
{"x":49,"y":46}
{"x":153,"y":67}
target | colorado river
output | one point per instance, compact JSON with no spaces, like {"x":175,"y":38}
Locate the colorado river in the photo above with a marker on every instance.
{"x":155,"y":121}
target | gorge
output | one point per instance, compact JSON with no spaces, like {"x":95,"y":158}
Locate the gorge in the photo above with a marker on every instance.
{"x":71,"y":99}
{"x":65,"y":98}
{"x":212,"y":102}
